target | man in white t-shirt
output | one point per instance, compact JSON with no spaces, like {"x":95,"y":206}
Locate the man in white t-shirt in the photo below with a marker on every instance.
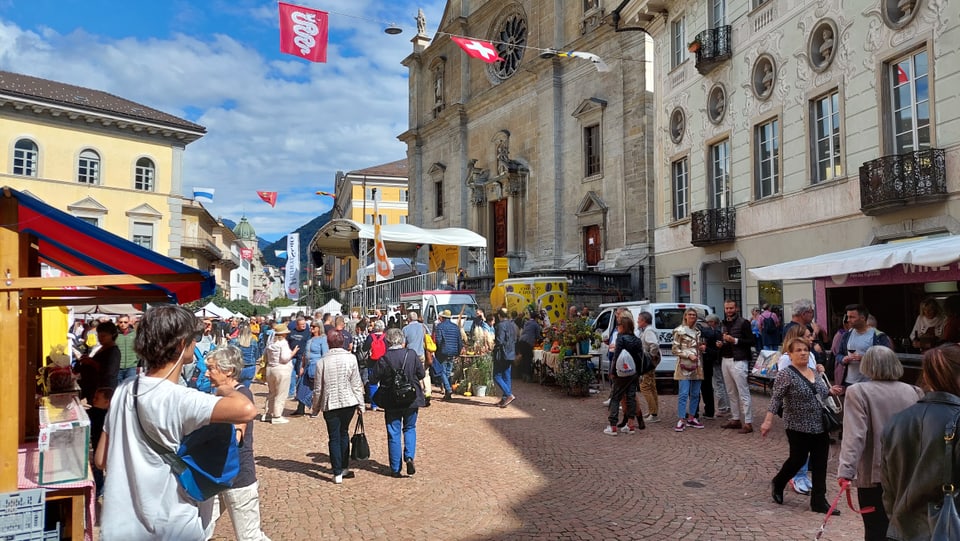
{"x":142,"y":499}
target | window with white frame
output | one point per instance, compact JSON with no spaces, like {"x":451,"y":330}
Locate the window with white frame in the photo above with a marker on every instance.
{"x":88,"y":167}
{"x":368,"y":194}
{"x":826,"y":139}
{"x":681,"y":189}
{"x":383,"y":219}
{"x":767,"y":158}
{"x":25,"y":154}
{"x":678,"y":46}
{"x":720,"y":174}
{"x":403,"y":219}
{"x":404,"y":196}
{"x":368,"y":219}
{"x":144,"y":175}
{"x":909,"y":102}
{"x":92,"y":220}
{"x":718,"y":13}
{"x":142,"y":234}
{"x":591,"y":150}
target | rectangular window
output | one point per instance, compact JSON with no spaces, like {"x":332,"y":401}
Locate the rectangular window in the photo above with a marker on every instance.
{"x":143,"y":234}
{"x":383,"y":219}
{"x":591,"y":150}
{"x":826,"y":137}
{"x":718,"y":13}
{"x":677,"y":43}
{"x":368,"y":219}
{"x":25,"y":162}
{"x":720,"y":174}
{"x":244,"y":282}
{"x":910,"y":103}
{"x":589,"y":5}
{"x":368,"y":194}
{"x":404,"y":196}
{"x":88,"y":169}
{"x":89,"y":220}
{"x":681,"y":190}
{"x":681,"y":288}
{"x":438,"y":197}
{"x":767,"y":159}
{"x":403,"y":219}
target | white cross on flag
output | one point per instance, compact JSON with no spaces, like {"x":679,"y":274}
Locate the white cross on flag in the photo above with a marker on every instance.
{"x":483,"y":50}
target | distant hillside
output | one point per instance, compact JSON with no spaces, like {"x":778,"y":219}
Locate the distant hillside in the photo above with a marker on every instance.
{"x":307,"y":231}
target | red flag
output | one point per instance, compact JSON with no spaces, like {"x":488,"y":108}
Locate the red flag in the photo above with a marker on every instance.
{"x":901,"y":75}
{"x":483,"y":50}
{"x":303,"y":32}
{"x":268,"y":197}
{"x":246,"y":253}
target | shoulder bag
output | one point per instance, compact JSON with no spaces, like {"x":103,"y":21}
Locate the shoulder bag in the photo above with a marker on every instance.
{"x":428,"y":342}
{"x":359,"y":448}
{"x":831,"y":419}
{"x":207,"y":461}
{"x":943,"y":517}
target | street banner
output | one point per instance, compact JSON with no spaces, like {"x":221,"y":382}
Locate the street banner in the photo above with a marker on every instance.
{"x":292,"y":275}
{"x":303,"y":32}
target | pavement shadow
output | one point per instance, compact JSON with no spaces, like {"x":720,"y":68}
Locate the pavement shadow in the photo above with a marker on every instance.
{"x":309,"y":469}
{"x":368,"y":465}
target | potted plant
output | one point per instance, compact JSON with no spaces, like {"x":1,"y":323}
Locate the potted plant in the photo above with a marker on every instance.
{"x":579,"y":336}
{"x":694,"y":45}
{"x":575,"y":377}
{"x":480,"y":374}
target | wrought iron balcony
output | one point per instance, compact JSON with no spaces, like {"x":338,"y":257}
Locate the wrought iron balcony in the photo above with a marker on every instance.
{"x":202,"y":243}
{"x":714,"y":48}
{"x":890,"y":182}
{"x":713,"y":226}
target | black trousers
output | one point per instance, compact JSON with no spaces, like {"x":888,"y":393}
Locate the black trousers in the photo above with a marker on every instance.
{"x":875,"y":523}
{"x":706,"y":388}
{"x":623,"y":388}
{"x":817,"y":448}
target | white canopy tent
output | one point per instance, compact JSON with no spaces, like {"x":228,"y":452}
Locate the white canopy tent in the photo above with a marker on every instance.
{"x":212,"y":310}
{"x":338,"y":238}
{"x":332,"y":307}
{"x":928,"y":252}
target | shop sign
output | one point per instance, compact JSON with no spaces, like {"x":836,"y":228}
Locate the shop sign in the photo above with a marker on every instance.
{"x":904,"y":273}
{"x":734,"y":273}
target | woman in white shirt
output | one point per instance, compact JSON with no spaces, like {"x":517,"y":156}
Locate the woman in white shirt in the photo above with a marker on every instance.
{"x":279,"y":369}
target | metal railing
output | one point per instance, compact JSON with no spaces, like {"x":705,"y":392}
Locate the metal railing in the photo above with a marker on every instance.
{"x":890,"y":182}
{"x":204,"y":243}
{"x":713,"y":226}
{"x":384,"y":293}
{"x":714,"y":48}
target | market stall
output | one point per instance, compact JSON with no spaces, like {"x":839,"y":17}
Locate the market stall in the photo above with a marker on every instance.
{"x":103,"y":268}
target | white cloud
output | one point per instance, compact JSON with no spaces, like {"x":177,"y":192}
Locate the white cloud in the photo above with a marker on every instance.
{"x":273,"y":123}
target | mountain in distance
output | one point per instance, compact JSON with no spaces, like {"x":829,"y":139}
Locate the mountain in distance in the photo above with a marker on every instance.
{"x":307,"y":232}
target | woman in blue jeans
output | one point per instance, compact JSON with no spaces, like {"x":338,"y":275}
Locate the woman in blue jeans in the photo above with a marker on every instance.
{"x":401,"y":422}
{"x":338,"y":392}
{"x":688,"y":348}
{"x":250,"y":351}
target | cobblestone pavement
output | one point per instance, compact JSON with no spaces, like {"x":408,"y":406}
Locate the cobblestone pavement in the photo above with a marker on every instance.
{"x":539,"y":469}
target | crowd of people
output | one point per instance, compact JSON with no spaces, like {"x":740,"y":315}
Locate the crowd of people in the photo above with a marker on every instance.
{"x":136,"y":376}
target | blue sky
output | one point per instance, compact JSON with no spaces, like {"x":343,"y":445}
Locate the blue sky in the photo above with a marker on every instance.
{"x":274,"y":122}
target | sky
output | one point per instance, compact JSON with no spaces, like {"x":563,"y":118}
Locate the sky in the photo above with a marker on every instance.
{"x":274,"y":122}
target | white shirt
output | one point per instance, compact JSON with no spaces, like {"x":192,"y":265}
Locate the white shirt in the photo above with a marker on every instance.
{"x":142,"y":499}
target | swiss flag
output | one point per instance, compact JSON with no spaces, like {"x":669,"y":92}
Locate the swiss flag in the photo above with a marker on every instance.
{"x":483,"y":50}
{"x":269,"y":198}
{"x":303,"y":32}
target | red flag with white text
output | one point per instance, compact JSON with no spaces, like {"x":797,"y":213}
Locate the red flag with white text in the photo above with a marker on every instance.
{"x":303,"y":32}
{"x":269,"y":198}
{"x":476,"y":48}
{"x":246,"y":253}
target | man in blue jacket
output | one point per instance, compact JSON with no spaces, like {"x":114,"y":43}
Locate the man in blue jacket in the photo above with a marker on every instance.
{"x":449,"y":347}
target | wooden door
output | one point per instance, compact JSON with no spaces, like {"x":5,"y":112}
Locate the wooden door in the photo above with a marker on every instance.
{"x":500,"y":228}
{"x":591,"y":245}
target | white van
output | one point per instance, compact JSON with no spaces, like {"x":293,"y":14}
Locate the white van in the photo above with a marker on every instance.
{"x":666,"y":317}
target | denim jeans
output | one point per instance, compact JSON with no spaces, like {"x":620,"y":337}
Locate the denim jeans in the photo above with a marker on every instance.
{"x":401,"y":422}
{"x":126,"y":373}
{"x":294,"y":378}
{"x":688,"y":401}
{"x":373,"y":387}
{"x":502,"y":379}
{"x":444,"y":371}
{"x":338,"y":430}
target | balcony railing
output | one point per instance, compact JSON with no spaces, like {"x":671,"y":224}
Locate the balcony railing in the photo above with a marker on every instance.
{"x":713,"y":226}
{"x":714,"y":48}
{"x":890,"y":182}
{"x":202,"y":243}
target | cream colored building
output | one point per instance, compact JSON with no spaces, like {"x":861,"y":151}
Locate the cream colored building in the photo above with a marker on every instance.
{"x":547,"y":157}
{"x":207,"y":244}
{"x":796,"y":129}
{"x":109,"y":161}
{"x":354,"y":200}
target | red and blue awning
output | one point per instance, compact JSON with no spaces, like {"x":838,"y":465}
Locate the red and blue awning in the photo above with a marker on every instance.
{"x":82,"y":249}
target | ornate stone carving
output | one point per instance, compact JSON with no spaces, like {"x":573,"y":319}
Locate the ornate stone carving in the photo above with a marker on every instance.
{"x":591,"y":21}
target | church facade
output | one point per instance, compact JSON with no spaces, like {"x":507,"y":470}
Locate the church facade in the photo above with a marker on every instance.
{"x":548,"y":156}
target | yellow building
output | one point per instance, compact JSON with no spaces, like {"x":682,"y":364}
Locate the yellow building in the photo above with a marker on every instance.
{"x":354,"y":201}
{"x":109,"y":161}
{"x":207,"y":244}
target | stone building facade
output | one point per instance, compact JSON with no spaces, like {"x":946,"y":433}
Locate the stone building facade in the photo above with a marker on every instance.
{"x":792,"y":128}
{"x":546,"y":156}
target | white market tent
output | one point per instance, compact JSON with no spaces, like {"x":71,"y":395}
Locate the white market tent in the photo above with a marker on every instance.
{"x":212,"y":310}
{"x":339,"y":237}
{"x":332,"y":307}
{"x":928,"y":252}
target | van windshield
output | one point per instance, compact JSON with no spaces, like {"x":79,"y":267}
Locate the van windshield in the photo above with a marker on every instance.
{"x":469,"y":310}
{"x":668,"y":318}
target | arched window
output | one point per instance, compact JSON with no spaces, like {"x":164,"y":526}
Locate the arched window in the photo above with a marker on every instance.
{"x":88,"y":168}
{"x":25,"y":155}
{"x":144,"y":175}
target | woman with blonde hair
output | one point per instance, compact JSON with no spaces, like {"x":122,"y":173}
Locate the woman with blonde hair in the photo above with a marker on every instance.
{"x":688,"y":347}
{"x":249,"y":347}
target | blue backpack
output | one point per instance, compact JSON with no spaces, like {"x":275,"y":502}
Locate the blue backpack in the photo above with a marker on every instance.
{"x":199,"y":379}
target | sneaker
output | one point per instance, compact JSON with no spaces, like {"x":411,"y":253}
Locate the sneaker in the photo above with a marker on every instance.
{"x":508,"y":401}
{"x":338,"y":479}
{"x":797,"y":488}
{"x":803,"y":485}
{"x":349,"y":474}
{"x":679,"y":427}
{"x":606,"y":403}
{"x":610,"y":431}
{"x":711,"y":417}
{"x":411,"y":467}
{"x":279,"y":420}
{"x":692,"y":422}
{"x":625,"y":429}
{"x":651,"y":418}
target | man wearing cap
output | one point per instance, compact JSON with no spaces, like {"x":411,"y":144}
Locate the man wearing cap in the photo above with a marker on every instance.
{"x":449,"y":347}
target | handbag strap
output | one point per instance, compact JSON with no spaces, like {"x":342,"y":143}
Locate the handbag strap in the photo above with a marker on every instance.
{"x":169,"y":457}
{"x":358,"y":428}
{"x":950,"y":438}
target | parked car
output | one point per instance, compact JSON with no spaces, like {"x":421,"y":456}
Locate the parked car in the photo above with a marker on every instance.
{"x":666,"y":317}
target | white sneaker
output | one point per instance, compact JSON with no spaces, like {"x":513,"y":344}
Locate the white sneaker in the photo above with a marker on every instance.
{"x":680,"y":426}
{"x":338,"y":479}
{"x":279,"y":420}
{"x":606,"y":403}
{"x":625,"y":429}
{"x":651,"y":419}
{"x":610,"y":431}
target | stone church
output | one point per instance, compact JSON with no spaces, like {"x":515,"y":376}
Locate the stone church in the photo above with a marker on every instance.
{"x":546,"y":152}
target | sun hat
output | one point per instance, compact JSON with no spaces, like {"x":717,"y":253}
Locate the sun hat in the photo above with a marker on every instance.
{"x":280,"y":328}
{"x":446,"y":314}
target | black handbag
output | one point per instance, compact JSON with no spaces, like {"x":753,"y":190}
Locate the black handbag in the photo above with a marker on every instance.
{"x":359,"y":448}
{"x":943,"y":517}
{"x":831,"y":421}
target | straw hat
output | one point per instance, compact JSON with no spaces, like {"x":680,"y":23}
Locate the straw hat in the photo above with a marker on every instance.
{"x":280,"y":328}
{"x":446,"y":314}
